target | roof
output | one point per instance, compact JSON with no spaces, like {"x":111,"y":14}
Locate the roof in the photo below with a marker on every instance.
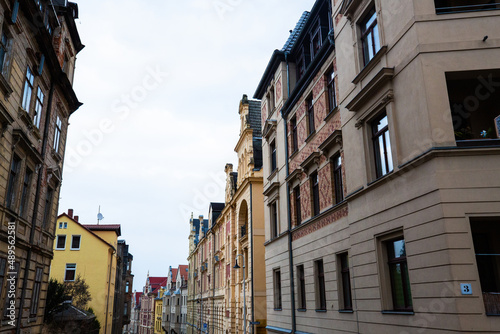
{"x":295,"y":33}
{"x":157,"y":282}
{"x":279,"y":55}
{"x":138,"y":298}
{"x":104,"y":227}
{"x":85,"y":227}
{"x":174,"y":274}
{"x":254,"y":117}
{"x":184,"y":271}
{"x":68,"y":312}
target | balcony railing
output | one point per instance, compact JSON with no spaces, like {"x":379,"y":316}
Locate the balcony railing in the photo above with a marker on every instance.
{"x":450,"y":6}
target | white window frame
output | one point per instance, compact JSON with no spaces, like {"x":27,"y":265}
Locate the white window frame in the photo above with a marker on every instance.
{"x":57,"y":241}
{"x":79,"y":243}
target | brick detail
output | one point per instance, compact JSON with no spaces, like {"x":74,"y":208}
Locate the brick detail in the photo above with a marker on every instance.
{"x":305,"y":200}
{"x":320,"y":223}
{"x":325,"y":187}
{"x":278,"y":90}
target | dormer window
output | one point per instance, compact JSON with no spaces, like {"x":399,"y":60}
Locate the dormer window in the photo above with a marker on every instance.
{"x":316,"y":40}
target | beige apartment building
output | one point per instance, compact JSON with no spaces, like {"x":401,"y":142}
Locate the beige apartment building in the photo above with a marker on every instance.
{"x":223,"y":297}
{"x":381,"y":169}
{"x":39,"y":42}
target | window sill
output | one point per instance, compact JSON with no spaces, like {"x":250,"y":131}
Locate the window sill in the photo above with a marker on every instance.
{"x":320,"y":311}
{"x":331,"y":113}
{"x":370,"y":65}
{"x":294,"y":153}
{"x":278,"y":309}
{"x":346,"y":311}
{"x":310,"y":137}
{"x":478,"y":142}
{"x":399,"y":312}
{"x":5,"y":86}
{"x":301,"y":310}
{"x":273,"y":174}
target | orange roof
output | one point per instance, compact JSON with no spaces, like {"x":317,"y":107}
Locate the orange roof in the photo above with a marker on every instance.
{"x":184,"y":271}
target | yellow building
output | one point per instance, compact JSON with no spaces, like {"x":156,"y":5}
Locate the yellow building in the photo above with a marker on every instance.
{"x":88,"y":251}
{"x":159,"y":311}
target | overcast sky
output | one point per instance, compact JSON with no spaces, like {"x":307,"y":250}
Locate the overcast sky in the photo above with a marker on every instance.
{"x":161,"y":82}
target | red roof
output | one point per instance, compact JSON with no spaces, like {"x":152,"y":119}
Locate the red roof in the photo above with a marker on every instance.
{"x":157,"y":282}
{"x":174,"y":274}
{"x":184,"y":271}
{"x":138,"y":298}
{"x":104,"y":227}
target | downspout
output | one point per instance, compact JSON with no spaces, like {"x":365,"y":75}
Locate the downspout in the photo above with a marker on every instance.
{"x":36,"y":205}
{"x":109,"y":286}
{"x":290,"y":251}
{"x":251,"y":256}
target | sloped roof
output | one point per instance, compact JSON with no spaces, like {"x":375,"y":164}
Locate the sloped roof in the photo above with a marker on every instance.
{"x":85,"y":227}
{"x":157,"y":282}
{"x":184,"y":271}
{"x":138,"y":298}
{"x":254,"y":117}
{"x":294,"y":35}
{"x":104,"y":227}
{"x":174,"y":274}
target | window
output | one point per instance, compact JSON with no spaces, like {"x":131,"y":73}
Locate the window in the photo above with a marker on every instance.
{"x":36,"y":291}
{"x":301,"y":287}
{"x":127,"y":287}
{"x":382,"y":145}
{"x":61,"y":242}
{"x":25,"y":192}
{"x":398,"y":272}
{"x":332,"y":90}
{"x":65,"y":225}
{"x":57,"y":134}
{"x":272,"y":149}
{"x":274,"y":220}
{"x":315,"y":193}
{"x":4,"y":51}
{"x":11,"y":297}
{"x":38,"y":107}
{"x":345,"y":282}
{"x":370,"y":40}
{"x":460,"y":6}
{"x":293,"y":127}
{"x":485,"y":236}
{"x":315,"y":40}
{"x":3,"y":267}
{"x":301,"y":65}
{"x":125,"y":308}
{"x":310,"y":116}
{"x":75,"y":242}
{"x":70,"y":273}
{"x":277,"y":289}
{"x":320,"y":285}
{"x":28,"y":89}
{"x":48,"y":207}
{"x":337,"y":178}
{"x":270,"y":101}
{"x":13,"y":176}
{"x":298,"y":212}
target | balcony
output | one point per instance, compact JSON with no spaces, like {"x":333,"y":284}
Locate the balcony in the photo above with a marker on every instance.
{"x":462,"y":6}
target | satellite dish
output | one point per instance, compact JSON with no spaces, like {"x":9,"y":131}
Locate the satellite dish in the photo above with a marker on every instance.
{"x":100,"y":216}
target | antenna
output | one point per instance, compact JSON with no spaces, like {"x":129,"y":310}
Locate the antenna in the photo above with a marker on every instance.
{"x":99,"y":216}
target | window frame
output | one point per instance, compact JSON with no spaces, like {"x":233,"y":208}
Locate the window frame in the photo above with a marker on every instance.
{"x":298,"y":207}
{"x":301,"y":288}
{"x":314,"y":186}
{"x":25,"y":192}
{"x":277,"y":296}
{"x":36,"y":291}
{"x":294,"y":134}
{"x":49,"y":201}
{"x":67,"y":270}
{"x":12,"y":185}
{"x":57,"y":241}
{"x":273,"y":215}
{"x":344,"y":281}
{"x":402,"y":261}
{"x":387,"y":163}
{"x":337,"y":178}
{"x":331,"y":90}
{"x":6,"y":47}
{"x":319,"y":285}
{"x":273,"y":156}
{"x":79,"y":241}
{"x":28,"y":87}
{"x":369,"y":30}
{"x":311,"y":128}
{"x":57,"y":134}
{"x":37,"y":113}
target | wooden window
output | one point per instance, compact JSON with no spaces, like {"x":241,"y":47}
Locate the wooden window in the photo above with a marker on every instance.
{"x":70,"y":273}
{"x":4,"y":51}
{"x":36,"y":291}
{"x":298,"y":212}
{"x":75,"y":242}
{"x":25,"y":192}
{"x":315,"y":193}
{"x":301,"y":287}
{"x":57,"y":134}
{"x":345,"y":281}
{"x":277,"y":289}
{"x":13,"y":178}
{"x":310,"y":116}
{"x":370,"y":39}
{"x":320,"y":285}
{"x":293,"y":126}
{"x":337,"y":178}
{"x":382,"y":145}
{"x":274,"y":220}
{"x":332,"y":90}
{"x":272,"y":149}
{"x":28,"y":89}
{"x":398,"y":272}
{"x":61,"y":242}
{"x":38,"y":107}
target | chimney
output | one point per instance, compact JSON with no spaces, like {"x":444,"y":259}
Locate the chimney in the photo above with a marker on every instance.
{"x":70,"y":213}
{"x":76,"y":219}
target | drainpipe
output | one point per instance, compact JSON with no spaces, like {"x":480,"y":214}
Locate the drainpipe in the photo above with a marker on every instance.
{"x":290,"y":251}
{"x":36,"y":205}
{"x":109,"y":286}
{"x":251,"y":257}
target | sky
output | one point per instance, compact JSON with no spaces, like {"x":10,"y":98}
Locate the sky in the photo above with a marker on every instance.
{"x":161,"y":82}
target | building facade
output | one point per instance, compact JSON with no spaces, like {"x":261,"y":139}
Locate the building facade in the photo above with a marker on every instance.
{"x":174,"y":317}
{"x":88,"y":251}
{"x":229,"y":299}
{"x":147,"y":312}
{"x":382,"y":206}
{"x":135,"y":309}
{"x":123,"y":288}
{"x":38,"y":48}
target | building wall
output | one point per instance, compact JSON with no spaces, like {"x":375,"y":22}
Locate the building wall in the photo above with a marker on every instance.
{"x":92,"y":261}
